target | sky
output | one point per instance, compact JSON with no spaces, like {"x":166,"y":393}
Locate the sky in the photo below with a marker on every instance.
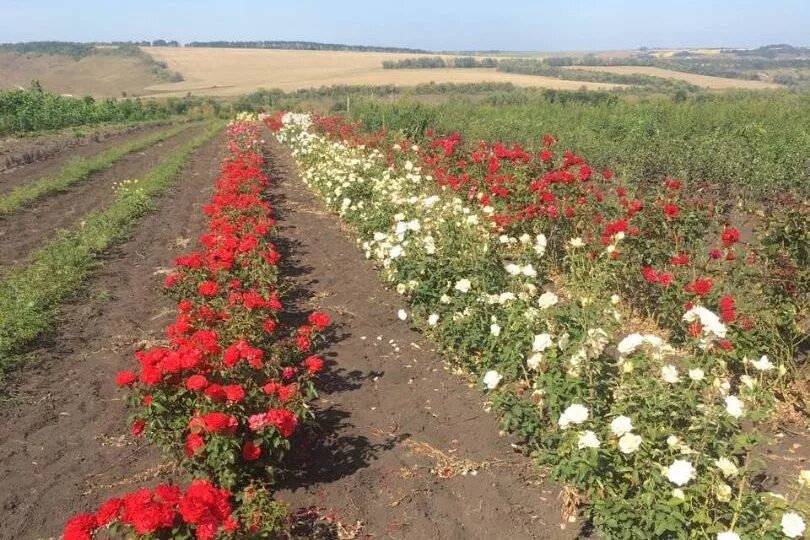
{"x":513,"y":25}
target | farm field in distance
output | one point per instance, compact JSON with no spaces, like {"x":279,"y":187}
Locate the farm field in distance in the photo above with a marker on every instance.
{"x":705,"y":81}
{"x":231,"y":72}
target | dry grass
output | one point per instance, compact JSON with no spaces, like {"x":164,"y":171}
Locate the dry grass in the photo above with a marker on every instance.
{"x":714,"y":83}
{"x":95,"y":75}
{"x":230,"y":72}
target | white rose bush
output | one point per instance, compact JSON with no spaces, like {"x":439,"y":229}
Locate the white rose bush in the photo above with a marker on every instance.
{"x":609,"y":330}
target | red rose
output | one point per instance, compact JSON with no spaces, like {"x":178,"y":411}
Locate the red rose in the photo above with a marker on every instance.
{"x":288,"y":392}
{"x":80,"y":527}
{"x":208,"y":288}
{"x":269,"y":326}
{"x":314,"y":364}
{"x":137,"y":427}
{"x":144,"y":514}
{"x":194,"y":442}
{"x":168,"y":494}
{"x":205,"y":507}
{"x":234,"y":392}
{"x":215,"y":392}
{"x":125,"y":378}
{"x":671,"y":210}
{"x":700,"y":287}
{"x":217,"y":422}
{"x":147,"y":400}
{"x":108,"y":512}
{"x":319,"y":319}
{"x":251,"y":452}
{"x":665,"y":279}
{"x":730,"y":237}
{"x":196,"y":382}
{"x":283,"y":420}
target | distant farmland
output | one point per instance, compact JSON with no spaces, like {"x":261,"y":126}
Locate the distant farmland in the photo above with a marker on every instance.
{"x":706,"y":81}
{"x":230,"y":72}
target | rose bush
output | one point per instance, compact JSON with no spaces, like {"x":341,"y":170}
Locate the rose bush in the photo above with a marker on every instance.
{"x":227,"y":392}
{"x":613,"y":327}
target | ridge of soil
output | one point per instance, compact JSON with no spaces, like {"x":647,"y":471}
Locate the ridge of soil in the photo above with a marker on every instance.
{"x":64,"y":446}
{"x":405,"y":446}
{"x":21,"y":159}
{"x":23,"y":232}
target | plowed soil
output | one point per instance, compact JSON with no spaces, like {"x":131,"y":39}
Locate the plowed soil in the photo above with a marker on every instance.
{"x":23,"y":232}
{"x":63,"y":442}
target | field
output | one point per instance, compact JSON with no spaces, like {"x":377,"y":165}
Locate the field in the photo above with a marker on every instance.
{"x":445,"y":312}
{"x":100,"y":76}
{"x":231,"y":72}
{"x":714,"y":83}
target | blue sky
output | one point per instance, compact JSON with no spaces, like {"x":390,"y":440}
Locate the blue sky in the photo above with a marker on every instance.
{"x":433,"y":24}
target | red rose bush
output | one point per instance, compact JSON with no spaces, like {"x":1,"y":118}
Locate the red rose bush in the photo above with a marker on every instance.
{"x":227,"y":392}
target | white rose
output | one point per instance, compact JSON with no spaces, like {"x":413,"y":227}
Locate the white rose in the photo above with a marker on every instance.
{"x":723,"y":492}
{"x":576,"y":242}
{"x":728,"y":535}
{"x":678,"y":493}
{"x":402,"y":314}
{"x":792,"y":525}
{"x":763,"y":364}
{"x":463,"y":285}
{"x":512,"y":269}
{"x":734,"y":406}
{"x":630,"y":343}
{"x":547,"y":299}
{"x":727,"y":467}
{"x":670,"y":374}
{"x":588,"y":439}
{"x":433,"y":319}
{"x":529,"y":271}
{"x":696,"y":374}
{"x":680,"y":472}
{"x":574,"y":414}
{"x":444,"y":299}
{"x":495,"y":330}
{"x":804,"y":477}
{"x":629,"y":443}
{"x":621,"y":425}
{"x":534,"y":360}
{"x":540,"y":244}
{"x":492,"y":378}
{"x":541,"y":342}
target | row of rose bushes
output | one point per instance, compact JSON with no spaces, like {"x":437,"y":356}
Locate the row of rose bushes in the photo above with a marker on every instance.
{"x":227,"y":393}
{"x":625,"y":335}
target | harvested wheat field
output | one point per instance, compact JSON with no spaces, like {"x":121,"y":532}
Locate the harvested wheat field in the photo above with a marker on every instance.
{"x":706,"y":81}
{"x":94,"y":75}
{"x":230,"y":72}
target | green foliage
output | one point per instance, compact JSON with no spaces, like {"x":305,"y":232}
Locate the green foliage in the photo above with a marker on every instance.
{"x":436,"y":62}
{"x":78,"y":170}
{"x":756,"y":141}
{"x":30,"y":295}
{"x":34,"y":109}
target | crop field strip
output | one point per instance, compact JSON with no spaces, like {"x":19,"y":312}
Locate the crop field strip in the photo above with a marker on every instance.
{"x":30,"y":294}
{"x":79,"y":170}
{"x":46,"y":146}
{"x":30,"y":227}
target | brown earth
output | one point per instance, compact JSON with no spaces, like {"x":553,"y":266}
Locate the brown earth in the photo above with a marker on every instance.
{"x":16,"y":152}
{"x":63,"y":447}
{"x":406,"y":448}
{"x":25,"y":231}
{"x":96,"y":75}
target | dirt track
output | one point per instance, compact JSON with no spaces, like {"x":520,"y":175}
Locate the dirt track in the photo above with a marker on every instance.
{"x":25,"y":231}
{"x":398,"y":429}
{"x":28,"y":155}
{"x":62,"y":443}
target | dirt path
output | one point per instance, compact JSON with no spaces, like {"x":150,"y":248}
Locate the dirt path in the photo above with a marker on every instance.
{"x":20,"y":156}
{"x":398,"y":428}
{"x":62,"y":443}
{"x":25,"y":231}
